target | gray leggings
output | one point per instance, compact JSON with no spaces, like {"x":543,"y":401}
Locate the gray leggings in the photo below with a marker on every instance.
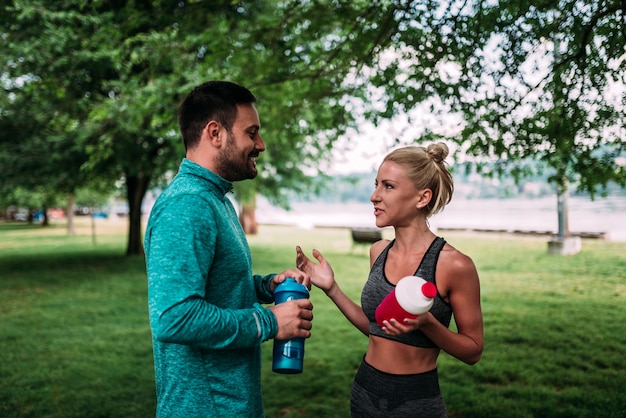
{"x":378,"y":394}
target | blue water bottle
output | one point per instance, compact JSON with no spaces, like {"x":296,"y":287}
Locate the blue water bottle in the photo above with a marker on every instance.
{"x":288,"y":355}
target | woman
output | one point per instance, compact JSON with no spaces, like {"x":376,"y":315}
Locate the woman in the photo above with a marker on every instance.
{"x":398,"y":376}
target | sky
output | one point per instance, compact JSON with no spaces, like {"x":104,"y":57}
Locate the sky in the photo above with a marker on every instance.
{"x":363,"y":152}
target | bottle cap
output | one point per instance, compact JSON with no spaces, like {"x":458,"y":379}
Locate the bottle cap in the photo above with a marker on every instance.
{"x":290,"y":289}
{"x":429,"y":290}
{"x":415,"y":295}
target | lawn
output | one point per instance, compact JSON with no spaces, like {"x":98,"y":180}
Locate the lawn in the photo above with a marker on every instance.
{"x":75,"y":340}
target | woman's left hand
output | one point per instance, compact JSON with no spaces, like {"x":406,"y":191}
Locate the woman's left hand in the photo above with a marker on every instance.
{"x":395,"y":327}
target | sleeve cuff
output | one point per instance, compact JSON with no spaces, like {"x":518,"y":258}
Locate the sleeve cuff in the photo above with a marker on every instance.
{"x":267,"y":325}
{"x":264,"y":294}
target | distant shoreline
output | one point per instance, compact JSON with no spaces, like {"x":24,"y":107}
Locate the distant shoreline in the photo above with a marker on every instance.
{"x":585,"y":235}
{"x":602,"y":219}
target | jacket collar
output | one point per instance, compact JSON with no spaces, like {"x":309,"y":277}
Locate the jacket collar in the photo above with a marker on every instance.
{"x":189,"y":167}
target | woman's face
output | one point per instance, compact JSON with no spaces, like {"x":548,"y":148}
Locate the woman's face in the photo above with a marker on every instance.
{"x":395,"y":198}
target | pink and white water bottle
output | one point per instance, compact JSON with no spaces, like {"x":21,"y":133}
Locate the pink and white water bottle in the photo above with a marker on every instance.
{"x":412,"y":297}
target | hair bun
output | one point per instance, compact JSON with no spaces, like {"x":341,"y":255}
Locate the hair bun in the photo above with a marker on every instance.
{"x":438,"y":152}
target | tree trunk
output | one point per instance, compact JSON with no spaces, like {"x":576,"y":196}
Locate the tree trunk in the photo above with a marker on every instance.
{"x":44,"y":211}
{"x":247,"y":218}
{"x":563,"y":210}
{"x":93,"y":226}
{"x":136,"y":187}
{"x":564,"y":243}
{"x":69,"y":213}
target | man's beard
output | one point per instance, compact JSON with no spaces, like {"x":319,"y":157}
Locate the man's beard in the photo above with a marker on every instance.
{"x":230,"y":165}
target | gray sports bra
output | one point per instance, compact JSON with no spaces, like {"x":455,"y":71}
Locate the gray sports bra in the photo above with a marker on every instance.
{"x":377,"y":287}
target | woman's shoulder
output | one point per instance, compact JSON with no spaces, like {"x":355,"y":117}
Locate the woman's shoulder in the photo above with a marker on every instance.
{"x":456,"y":259}
{"x":377,"y":248}
{"x":456,"y":272}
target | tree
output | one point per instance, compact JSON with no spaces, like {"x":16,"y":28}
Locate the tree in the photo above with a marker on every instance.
{"x":47,"y":84}
{"x":143,"y":56}
{"x":319,"y":68}
{"x":556,"y":100}
{"x":531,"y":80}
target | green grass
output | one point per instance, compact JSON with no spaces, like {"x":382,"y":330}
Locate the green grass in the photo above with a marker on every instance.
{"x":75,"y":341}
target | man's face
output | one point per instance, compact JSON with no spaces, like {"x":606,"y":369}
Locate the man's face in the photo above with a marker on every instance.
{"x":236,"y":160}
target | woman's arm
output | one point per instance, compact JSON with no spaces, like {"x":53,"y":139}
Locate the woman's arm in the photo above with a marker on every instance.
{"x":464,"y":296}
{"x":457,"y":281}
{"x":323,"y":277}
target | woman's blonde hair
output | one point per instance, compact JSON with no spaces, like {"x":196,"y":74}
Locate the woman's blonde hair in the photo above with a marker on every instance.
{"x":426,"y":168}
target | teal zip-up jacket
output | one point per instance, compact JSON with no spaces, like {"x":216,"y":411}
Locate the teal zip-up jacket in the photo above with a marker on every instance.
{"x":204,"y":302}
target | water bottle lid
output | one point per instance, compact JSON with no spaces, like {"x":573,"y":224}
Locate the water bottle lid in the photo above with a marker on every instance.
{"x":291,"y":285}
{"x":429,"y":290}
{"x":415,"y":295}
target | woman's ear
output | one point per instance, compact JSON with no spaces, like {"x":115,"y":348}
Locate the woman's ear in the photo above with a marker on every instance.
{"x":424,"y":198}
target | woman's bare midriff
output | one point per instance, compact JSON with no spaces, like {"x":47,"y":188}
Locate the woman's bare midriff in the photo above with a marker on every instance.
{"x":393,"y":357}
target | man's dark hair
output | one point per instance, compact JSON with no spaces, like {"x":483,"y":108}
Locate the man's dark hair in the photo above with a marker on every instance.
{"x":213,"y":100}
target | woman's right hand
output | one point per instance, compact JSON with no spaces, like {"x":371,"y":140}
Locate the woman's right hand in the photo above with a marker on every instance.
{"x":322,"y":274}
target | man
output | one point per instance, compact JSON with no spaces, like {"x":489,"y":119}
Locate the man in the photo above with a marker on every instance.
{"x":204,"y":302}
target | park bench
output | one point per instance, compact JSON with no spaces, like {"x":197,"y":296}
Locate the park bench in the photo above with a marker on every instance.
{"x":365,"y":235}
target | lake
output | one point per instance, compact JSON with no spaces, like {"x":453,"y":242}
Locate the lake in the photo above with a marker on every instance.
{"x":606,"y":215}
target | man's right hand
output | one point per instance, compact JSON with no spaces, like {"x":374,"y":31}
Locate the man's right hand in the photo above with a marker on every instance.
{"x":294,"y":319}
